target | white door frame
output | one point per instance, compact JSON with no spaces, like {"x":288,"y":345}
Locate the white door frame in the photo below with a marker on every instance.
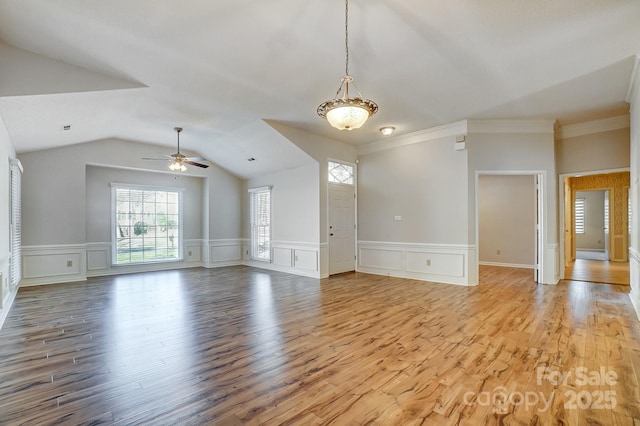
{"x":355,"y":211}
{"x":561,"y":215}
{"x":540,"y":177}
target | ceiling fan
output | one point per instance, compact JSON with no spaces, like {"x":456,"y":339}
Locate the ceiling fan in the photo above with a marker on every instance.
{"x":179,"y":161}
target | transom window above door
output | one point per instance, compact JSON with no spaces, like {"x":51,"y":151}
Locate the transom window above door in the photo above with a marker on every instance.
{"x":341,"y":173}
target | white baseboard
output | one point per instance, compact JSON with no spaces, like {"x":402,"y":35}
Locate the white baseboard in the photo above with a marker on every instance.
{"x":6,"y":306}
{"x":634,"y":280}
{"x":507,"y":265}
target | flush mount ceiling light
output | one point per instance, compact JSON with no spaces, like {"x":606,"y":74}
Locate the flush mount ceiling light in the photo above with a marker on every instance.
{"x":387,"y":130}
{"x":343,"y":112}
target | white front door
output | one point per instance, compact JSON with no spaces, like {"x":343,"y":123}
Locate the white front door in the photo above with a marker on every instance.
{"x":342,"y":224}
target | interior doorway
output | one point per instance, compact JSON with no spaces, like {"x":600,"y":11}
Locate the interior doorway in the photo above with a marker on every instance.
{"x":595,"y":226}
{"x":591,"y":218}
{"x":510,"y":218}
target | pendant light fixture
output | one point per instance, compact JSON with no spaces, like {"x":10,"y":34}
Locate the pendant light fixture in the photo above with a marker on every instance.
{"x":343,"y":112}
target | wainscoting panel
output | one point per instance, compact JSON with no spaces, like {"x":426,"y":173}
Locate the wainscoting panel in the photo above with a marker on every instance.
{"x":282,"y":257}
{"x":634,"y":279}
{"x":98,"y":256}
{"x":53,"y":264}
{"x":380,"y":258}
{"x":428,"y":262}
{"x":193,"y":252}
{"x":306,"y":259}
{"x":435,"y":263}
{"x":292,"y":257}
{"x":226,"y":252}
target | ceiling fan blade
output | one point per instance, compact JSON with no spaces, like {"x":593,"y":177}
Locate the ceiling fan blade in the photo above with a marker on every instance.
{"x":149,"y":158}
{"x":193,"y":163}
{"x":198,"y":159}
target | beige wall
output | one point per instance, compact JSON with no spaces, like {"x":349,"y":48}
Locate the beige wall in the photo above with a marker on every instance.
{"x":57,"y":177}
{"x":599,"y":151}
{"x":295,"y":204}
{"x":98,"y":209}
{"x":507,"y":219}
{"x":424,"y":183}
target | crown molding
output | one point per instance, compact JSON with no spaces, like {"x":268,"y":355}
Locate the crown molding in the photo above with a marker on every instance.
{"x":595,"y":126}
{"x":634,"y":81}
{"x":511,"y":126}
{"x":452,"y":129}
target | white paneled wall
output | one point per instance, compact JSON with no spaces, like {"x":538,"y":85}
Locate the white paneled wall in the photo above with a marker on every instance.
{"x":291,"y":257}
{"x":428,"y":262}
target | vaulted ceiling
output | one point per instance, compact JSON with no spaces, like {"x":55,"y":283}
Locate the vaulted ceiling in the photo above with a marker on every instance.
{"x":225,"y":71}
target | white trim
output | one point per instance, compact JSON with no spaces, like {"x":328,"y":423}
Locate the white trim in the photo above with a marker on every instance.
{"x":292,"y":257}
{"x":634,"y":270}
{"x":446,"y":130}
{"x":6,"y":305}
{"x":594,"y":126}
{"x":16,"y":162}
{"x":511,"y":126}
{"x":634,"y":81}
{"x":145,"y":187}
{"x":507,"y":265}
{"x":427,"y":246}
{"x":547,"y":266}
{"x":261,"y":188}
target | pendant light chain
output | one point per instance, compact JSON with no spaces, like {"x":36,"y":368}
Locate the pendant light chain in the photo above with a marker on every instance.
{"x":346,"y":36}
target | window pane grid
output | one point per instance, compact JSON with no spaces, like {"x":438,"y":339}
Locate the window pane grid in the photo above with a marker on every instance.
{"x":261,"y":225}
{"x":144,"y":232}
{"x":340,"y":173}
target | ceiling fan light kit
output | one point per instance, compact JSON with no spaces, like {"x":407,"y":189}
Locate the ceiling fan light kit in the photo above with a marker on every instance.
{"x":343,"y":112}
{"x":179,"y":161}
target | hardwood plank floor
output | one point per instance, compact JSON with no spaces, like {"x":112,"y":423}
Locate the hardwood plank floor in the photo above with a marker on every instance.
{"x":598,"y":271}
{"x":239,"y":345}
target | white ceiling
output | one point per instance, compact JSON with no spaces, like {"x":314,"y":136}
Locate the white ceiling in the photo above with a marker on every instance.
{"x":224,"y":70}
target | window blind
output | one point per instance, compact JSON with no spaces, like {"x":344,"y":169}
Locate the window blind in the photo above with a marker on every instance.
{"x":16,"y":223}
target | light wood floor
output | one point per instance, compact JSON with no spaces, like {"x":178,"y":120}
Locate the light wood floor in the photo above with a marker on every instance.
{"x":598,"y":271}
{"x":246,"y":346}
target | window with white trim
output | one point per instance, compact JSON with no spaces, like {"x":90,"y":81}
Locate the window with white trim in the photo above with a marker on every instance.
{"x":341,"y":173}
{"x":260,"y":206}
{"x":147,"y":224}
{"x":15,"y":223}
{"x":578,"y":212}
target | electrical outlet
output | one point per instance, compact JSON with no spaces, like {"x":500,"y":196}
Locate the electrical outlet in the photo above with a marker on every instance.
{"x":428,"y":262}
{"x":189,"y":253}
{"x":497,"y":251}
{"x":69,"y":263}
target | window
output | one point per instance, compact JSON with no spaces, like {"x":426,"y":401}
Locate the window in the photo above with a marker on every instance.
{"x":606,"y":213}
{"x":15,"y":224}
{"x":579,"y":215}
{"x":629,"y":211}
{"x":340,"y":173}
{"x":260,"y":223}
{"x":147,"y":224}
